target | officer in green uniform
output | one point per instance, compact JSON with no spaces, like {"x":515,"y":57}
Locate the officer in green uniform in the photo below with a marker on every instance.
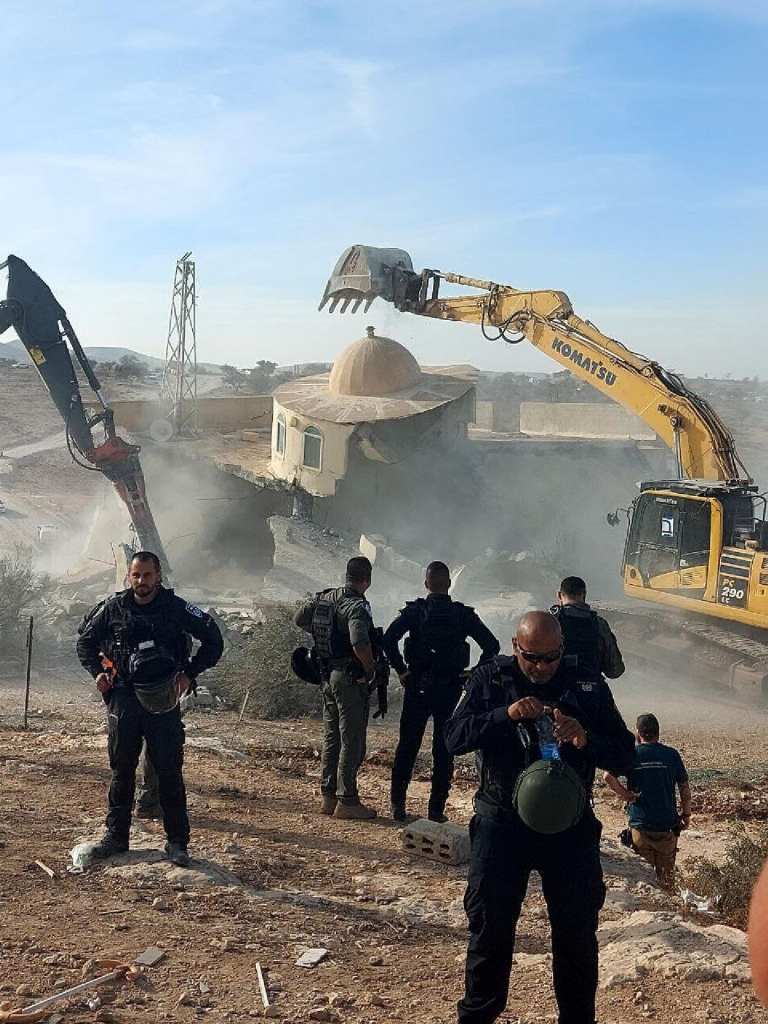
{"x":340,"y":622}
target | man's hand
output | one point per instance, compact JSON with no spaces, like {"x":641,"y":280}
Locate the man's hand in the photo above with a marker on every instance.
{"x":685,"y":822}
{"x":568,"y":730}
{"x":403,"y":677}
{"x":183,"y":682}
{"x":103,"y":682}
{"x":526,"y":707}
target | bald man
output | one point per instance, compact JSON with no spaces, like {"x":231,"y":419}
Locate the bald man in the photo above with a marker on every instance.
{"x":496,"y":718}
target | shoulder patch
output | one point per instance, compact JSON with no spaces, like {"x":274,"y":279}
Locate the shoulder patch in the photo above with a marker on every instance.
{"x":587,"y":687}
{"x":193,"y":610}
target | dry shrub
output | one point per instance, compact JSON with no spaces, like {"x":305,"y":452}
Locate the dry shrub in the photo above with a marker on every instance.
{"x":20,"y":589}
{"x":729,"y":885}
{"x":261,"y":663}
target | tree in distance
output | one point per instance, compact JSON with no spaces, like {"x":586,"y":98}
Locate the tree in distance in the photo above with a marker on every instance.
{"x":131,"y":368}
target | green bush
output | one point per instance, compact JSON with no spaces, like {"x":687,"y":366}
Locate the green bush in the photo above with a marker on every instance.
{"x":261,"y":664}
{"x":729,"y":885}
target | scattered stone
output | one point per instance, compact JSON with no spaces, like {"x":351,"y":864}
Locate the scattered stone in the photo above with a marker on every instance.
{"x":25,"y":990}
{"x":671,"y":946}
{"x":376,"y":961}
{"x":160,"y":903}
{"x":185,"y":999}
{"x":311,"y":958}
{"x":323,"y":1013}
{"x":149,"y":957}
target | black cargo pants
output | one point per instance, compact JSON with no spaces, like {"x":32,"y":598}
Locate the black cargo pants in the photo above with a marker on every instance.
{"x":129,"y":724}
{"x":503,"y":856}
{"x":437,"y":702}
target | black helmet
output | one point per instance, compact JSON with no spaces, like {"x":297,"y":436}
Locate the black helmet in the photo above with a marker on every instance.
{"x":158,"y":696}
{"x":549,"y":797}
{"x":152,"y":672}
{"x":304,"y":665}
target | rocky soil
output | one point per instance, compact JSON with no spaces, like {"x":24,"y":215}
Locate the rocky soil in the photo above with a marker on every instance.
{"x":272,"y":879}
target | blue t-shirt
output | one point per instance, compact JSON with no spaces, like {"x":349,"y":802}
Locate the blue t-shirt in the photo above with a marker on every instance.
{"x":656,"y":772}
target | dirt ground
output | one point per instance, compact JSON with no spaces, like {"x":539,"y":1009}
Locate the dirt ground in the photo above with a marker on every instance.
{"x":272,"y":878}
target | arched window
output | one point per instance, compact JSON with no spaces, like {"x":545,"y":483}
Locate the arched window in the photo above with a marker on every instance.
{"x":312,"y":457}
{"x":280,"y":436}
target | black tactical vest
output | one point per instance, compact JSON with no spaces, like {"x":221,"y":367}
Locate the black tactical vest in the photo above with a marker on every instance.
{"x":581,"y":638}
{"x":437,"y":641}
{"x":331,"y":643}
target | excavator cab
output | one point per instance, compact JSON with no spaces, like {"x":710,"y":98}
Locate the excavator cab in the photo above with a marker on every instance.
{"x":691,"y":541}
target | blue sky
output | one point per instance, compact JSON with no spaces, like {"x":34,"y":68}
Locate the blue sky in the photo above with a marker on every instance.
{"x":613,"y":149}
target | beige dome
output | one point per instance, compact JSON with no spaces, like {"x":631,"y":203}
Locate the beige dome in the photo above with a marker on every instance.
{"x":373,"y":366}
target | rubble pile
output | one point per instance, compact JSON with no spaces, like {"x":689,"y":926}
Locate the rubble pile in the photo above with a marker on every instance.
{"x":58,"y":611}
{"x":257,"y":652}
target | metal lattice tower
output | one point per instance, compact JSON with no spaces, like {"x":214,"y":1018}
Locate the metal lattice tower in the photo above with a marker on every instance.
{"x":179,"y":387}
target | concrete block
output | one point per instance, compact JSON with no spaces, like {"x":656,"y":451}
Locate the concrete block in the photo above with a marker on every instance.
{"x":202,"y":698}
{"x":446,"y":843}
{"x":386,"y":558}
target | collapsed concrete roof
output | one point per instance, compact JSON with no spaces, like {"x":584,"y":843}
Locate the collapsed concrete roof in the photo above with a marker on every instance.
{"x":373,"y":379}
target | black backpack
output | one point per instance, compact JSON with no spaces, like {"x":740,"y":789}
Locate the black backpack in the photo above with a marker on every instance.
{"x":436,"y":642}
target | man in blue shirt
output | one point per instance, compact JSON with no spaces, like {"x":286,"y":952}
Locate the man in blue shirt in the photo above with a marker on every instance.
{"x":651,"y":800}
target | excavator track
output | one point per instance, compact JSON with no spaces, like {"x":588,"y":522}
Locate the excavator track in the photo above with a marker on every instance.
{"x":724,"y":659}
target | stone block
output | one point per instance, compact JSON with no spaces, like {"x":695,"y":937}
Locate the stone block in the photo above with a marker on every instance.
{"x":446,"y":843}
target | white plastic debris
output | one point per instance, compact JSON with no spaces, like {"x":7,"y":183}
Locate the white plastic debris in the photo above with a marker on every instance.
{"x":696,"y":902}
{"x":81,"y":857}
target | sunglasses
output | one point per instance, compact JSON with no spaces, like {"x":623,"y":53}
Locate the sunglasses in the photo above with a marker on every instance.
{"x":544,"y":659}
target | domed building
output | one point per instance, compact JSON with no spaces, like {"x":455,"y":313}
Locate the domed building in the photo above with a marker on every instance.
{"x":376,"y":405}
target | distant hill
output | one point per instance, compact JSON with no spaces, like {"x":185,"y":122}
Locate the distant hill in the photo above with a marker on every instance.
{"x":100,"y":353}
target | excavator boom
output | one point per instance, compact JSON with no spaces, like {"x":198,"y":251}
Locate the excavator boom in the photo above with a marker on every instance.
{"x":703,"y":445}
{"x":46,"y":333}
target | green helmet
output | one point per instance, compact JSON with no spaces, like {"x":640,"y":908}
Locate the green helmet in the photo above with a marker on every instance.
{"x":549,"y":797}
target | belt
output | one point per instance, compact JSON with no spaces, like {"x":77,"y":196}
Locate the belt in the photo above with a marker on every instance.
{"x":495,"y":812}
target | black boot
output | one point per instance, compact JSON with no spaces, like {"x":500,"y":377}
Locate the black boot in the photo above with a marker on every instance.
{"x":399,"y":813}
{"x":109,"y":846}
{"x":177,"y":854}
{"x":436,"y":809}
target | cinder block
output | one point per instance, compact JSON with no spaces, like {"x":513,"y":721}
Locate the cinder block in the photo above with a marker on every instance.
{"x":446,"y":843}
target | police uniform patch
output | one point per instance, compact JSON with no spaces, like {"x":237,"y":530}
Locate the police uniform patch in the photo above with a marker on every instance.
{"x":194,"y":610}
{"x":587,"y":687}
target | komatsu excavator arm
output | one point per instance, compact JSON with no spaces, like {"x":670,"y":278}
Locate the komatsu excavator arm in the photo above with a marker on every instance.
{"x":703,"y":445}
{"x":44,"y":330}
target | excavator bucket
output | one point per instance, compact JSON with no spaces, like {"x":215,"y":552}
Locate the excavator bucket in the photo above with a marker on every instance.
{"x":364,"y":273}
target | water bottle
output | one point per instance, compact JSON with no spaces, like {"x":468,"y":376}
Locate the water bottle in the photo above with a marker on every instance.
{"x":545,"y":727}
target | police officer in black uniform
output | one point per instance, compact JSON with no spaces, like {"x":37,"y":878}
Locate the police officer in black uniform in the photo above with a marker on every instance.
{"x":497,"y":717}
{"x":143,"y":632}
{"x":590,"y":645}
{"x":436,"y":655}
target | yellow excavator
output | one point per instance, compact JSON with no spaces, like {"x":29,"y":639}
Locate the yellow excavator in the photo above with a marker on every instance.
{"x":697,"y":544}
